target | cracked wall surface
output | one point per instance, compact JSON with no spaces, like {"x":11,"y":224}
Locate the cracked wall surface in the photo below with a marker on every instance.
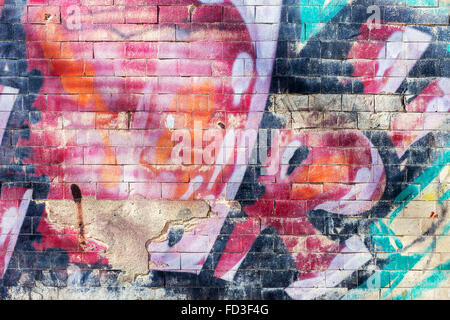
{"x":124,"y":227}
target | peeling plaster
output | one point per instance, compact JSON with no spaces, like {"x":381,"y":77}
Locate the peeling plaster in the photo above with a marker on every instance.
{"x":125,"y":226}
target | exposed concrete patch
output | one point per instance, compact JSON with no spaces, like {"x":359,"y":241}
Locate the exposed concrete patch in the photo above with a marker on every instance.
{"x":125,"y":226}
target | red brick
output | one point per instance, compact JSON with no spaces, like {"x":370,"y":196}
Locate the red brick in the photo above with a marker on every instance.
{"x":141,"y":14}
{"x":178,"y":14}
{"x":207,"y":14}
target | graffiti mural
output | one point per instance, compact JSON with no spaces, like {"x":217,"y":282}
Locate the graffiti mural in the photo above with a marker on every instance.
{"x":224,"y":149}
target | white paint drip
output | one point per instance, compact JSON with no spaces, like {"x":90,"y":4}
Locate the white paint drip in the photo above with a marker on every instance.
{"x":194,"y":185}
{"x":7,"y":98}
{"x":11,"y":224}
{"x":241,"y":75}
{"x":170,"y":122}
{"x":367,"y":182}
{"x":441,"y":104}
{"x":401,"y":56}
{"x":224,"y":154}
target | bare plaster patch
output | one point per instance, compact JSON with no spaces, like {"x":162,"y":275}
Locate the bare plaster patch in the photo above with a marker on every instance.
{"x":125,"y":226}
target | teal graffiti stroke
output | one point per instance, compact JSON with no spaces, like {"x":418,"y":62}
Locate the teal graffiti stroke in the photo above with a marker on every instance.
{"x":384,"y":240}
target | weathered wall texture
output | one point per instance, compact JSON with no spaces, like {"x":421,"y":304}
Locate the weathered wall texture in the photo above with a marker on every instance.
{"x":244,"y":149}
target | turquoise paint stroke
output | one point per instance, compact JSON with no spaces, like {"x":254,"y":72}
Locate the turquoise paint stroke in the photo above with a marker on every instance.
{"x":414,"y":259}
{"x":390,"y":276}
{"x":384,"y":238}
{"x":315,"y":16}
{"x":439,"y":275}
{"x":444,"y":197}
{"x":413,"y":190}
{"x":382,"y":235}
{"x":422,"y":3}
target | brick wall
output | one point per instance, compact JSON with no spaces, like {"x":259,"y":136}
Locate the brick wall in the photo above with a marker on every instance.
{"x":276,"y":149}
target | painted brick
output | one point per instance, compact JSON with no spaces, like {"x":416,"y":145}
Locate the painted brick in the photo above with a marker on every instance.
{"x":99,"y":98}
